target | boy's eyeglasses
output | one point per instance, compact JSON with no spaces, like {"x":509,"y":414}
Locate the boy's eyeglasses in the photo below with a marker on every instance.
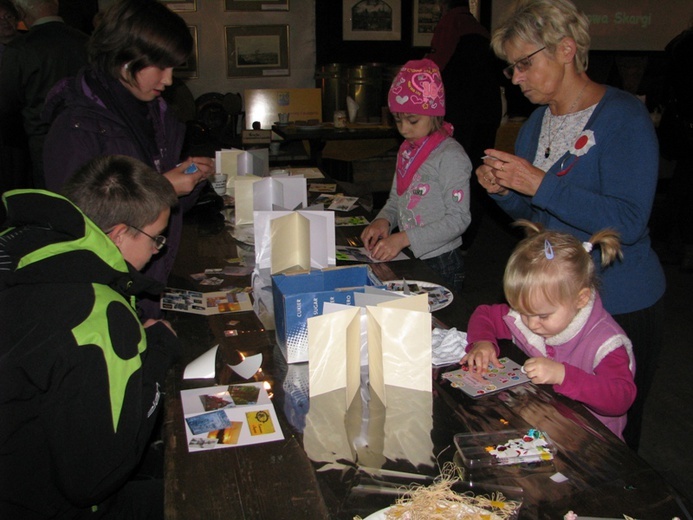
{"x":8,"y":17}
{"x":159,"y":240}
{"x":522,"y":65}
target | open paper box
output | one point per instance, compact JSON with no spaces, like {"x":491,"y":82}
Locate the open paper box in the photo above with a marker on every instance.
{"x":298,"y":296}
{"x":399,"y":347}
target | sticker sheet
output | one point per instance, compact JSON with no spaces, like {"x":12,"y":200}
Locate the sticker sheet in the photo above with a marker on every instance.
{"x":495,"y":380}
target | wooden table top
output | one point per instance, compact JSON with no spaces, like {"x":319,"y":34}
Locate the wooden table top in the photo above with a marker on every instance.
{"x":336,"y":464}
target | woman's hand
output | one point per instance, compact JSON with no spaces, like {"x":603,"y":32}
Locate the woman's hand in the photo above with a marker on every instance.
{"x":487,"y":179}
{"x":502,"y":171}
{"x":183,"y":182}
{"x":543,"y":371}
{"x":375,"y":231}
{"x":480,"y":356}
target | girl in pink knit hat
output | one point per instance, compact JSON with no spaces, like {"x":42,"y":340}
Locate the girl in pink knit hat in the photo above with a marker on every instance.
{"x":429,"y":199}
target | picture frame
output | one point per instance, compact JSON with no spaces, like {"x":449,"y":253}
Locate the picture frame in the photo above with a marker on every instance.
{"x":257,"y":50}
{"x":426,"y":17}
{"x":256,"y":5}
{"x":180,"y":5}
{"x":189,"y":69}
{"x":372,"y":20}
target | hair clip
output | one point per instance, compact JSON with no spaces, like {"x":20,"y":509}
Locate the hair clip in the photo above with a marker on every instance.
{"x":587,"y":246}
{"x":548,"y":250}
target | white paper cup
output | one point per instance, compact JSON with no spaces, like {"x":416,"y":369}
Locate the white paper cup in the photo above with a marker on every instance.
{"x":283,"y":118}
{"x":219,"y":183}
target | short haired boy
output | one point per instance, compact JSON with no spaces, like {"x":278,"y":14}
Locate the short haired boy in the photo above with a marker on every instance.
{"x":80,"y":375}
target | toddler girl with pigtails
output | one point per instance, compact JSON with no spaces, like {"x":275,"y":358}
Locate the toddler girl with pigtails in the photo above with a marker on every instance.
{"x":555,"y":315}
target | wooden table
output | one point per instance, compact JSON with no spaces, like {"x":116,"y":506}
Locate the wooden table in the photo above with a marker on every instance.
{"x":279,"y":479}
{"x":318,"y":135}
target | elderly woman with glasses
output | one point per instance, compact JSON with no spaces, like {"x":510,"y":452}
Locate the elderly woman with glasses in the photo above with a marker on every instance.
{"x":585,"y":160}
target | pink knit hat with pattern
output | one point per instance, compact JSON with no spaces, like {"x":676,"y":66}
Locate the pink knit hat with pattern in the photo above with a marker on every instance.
{"x":418,"y":89}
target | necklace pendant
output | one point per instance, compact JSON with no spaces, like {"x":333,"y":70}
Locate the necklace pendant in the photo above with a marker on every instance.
{"x":547,"y":152}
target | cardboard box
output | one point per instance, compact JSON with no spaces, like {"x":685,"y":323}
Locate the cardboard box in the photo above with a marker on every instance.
{"x":300,"y":296}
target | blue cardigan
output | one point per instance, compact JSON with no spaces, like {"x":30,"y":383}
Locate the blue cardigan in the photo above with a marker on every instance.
{"x":611,"y":185}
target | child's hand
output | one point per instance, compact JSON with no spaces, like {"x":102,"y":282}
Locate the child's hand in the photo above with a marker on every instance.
{"x":544,"y":371}
{"x":183,"y":182}
{"x":480,"y":356}
{"x":152,"y":321}
{"x":388,"y":248}
{"x":375,"y":231}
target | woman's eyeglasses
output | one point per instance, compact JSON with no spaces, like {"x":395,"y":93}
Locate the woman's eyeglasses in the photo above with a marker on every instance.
{"x":522,"y":65}
{"x":159,"y":240}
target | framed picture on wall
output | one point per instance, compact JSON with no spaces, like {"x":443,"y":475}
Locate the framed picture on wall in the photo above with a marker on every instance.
{"x":256,"y":5}
{"x":257,"y":50}
{"x":426,"y":17}
{"x":372,"y":20}
{"x":189,"y":69}
{"x":180,"y":5}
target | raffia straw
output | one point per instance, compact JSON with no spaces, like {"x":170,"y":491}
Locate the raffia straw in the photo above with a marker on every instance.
{"x":439,"y":502}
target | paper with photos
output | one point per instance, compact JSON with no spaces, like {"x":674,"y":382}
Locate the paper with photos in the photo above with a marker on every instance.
{"x":205,"y":303}
{"x":229,"y":415}
{"x":320,"y":244}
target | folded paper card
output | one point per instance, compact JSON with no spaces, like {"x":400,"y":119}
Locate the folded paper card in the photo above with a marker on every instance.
{"x":234,"y":162}
{"x":399,"y":347}
{"x":243,"y":189}
{"x":267,"y":194}
{"x":288,"y":241}
{"x":279,"y":193}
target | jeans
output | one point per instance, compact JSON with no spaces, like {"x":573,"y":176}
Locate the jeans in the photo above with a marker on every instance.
{"x":450,"y":267}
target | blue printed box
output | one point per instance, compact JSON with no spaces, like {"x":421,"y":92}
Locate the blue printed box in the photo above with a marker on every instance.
{"x":300,"y":296}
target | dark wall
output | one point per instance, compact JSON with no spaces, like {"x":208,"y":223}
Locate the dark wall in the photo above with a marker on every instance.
{"x":636,"y":72}
{"x":79,"y":13}
{"x":330,"y":48}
